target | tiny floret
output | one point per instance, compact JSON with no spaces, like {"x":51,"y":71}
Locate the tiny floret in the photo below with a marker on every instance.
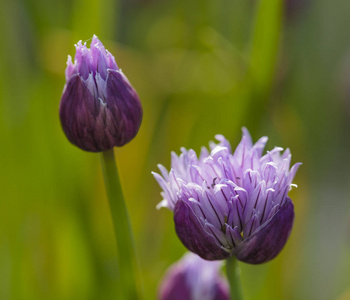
{"x":99,"y":108}
{"x":231,"y":203}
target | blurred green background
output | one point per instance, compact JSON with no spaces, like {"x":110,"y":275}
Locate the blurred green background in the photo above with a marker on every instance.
{"x":200,"y":67}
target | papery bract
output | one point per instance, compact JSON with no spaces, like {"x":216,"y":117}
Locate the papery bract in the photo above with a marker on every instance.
{"x":193,"y":278}
{"x":228,"y":203}
{"x":99,"y":108}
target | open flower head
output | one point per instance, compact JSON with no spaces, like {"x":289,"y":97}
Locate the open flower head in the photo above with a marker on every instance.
{"x":231,"y":203}
{"x":193,"y":278}
{"x":99,"y":108}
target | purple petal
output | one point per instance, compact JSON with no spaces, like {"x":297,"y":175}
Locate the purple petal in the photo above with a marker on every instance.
{"x":84,"y":63}
{"x":270,"y":238}
{"x":195,"y":174}
{"x":192,"y":234}
{"x":235,"y":215}
{"x":257,"y":196}
{"x":111,"y":61}
{"x":251,"y":226}
{"x":78,"y":112}
{"x":212,"y":209}
{"x":168,"y":197}
{"x":233,"y":235}
{"x":223,"y":141}
{"x":260,"y":145}
{"x":124,"y":104}
{"x":204,"y":153}
{"x":293,"y":171}
{"x":246,"y":135}
{"x":265,"y":211}
{"x":163,"y":171}
{"x":70,"y":68}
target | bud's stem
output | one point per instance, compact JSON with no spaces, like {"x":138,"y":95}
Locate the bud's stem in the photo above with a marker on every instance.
{"x":127,"y":262}
{"x":234,"y":278}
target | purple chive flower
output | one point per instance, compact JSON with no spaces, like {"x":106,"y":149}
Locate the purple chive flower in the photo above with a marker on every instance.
{"x":231,"y":203}
{"x":193,"y":278}
{"x":99,"y":108}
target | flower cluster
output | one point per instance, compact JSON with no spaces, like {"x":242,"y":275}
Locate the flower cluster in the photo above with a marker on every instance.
{"x":99,"y":108}
{"x":193,"y":278}
{"x":228,"y":203}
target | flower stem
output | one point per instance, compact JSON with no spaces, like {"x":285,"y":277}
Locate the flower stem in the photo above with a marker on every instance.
{"x":234,"y":278}
{"x":130,"y":284}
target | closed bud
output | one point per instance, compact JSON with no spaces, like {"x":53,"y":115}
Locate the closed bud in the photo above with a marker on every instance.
{"x":99,"y":108}
{"x":193,"y":278}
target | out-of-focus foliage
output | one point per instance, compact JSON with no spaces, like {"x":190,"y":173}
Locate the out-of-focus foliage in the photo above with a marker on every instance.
{"x":201,"y":67}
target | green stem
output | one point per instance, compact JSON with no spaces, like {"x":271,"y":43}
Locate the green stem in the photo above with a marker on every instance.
{"x":234,"y":278}
{"x":127,"y":262}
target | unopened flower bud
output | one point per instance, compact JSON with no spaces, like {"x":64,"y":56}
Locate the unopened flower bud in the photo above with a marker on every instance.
{"x":193,"y":278}
{"x":99,"y":108}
